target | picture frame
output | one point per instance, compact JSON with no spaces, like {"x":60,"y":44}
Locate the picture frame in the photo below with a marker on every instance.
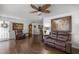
{"x":61,"y":24}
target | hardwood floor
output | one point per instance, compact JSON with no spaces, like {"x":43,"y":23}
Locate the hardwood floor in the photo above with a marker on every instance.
{"x":26,"y":46}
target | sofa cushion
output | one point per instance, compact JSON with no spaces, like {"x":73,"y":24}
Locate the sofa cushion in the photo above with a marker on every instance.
{"x":60,"y":43}
{"x":62,"y":37}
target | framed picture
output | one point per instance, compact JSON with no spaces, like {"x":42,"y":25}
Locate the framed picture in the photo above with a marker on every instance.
{"x":40,"y":26}
{"x":17,"y":26}
{"x":61,"y":24}
{"x":34,"y":26}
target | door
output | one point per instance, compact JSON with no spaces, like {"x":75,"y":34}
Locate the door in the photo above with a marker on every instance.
{"x":4,"y":30}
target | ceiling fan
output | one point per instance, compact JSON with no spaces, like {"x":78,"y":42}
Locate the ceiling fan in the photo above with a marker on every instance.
{"x":41,"y":9}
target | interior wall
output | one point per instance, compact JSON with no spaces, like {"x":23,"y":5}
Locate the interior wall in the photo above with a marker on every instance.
{"x":46,"y":23}
{"x":61,"y":10}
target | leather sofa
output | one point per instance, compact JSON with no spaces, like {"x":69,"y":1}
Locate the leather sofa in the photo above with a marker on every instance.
{"x":60,"y":40}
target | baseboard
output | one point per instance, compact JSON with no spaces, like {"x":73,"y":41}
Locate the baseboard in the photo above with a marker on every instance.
{"x":75,"y":47}
{"x":5,"y":40}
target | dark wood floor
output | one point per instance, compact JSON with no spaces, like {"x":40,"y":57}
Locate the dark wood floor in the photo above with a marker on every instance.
{"x":27,"y":46}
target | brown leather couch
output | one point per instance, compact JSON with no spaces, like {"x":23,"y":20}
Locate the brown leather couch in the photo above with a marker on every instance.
{"x":60,"y":40}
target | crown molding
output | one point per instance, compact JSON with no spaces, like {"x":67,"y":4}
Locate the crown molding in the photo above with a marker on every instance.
{"x":10,"y":17}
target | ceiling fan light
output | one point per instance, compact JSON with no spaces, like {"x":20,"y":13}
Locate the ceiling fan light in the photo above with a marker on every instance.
{"x":39,"y":13}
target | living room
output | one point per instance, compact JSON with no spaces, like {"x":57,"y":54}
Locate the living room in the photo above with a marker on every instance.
{"x":33,"y":25}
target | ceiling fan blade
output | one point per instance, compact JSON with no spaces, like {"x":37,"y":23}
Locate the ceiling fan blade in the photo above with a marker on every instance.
{"x":34,"y":7}
{"x":45,"y":11}
{"x":34,"y":11}
{"x":46,"y":6}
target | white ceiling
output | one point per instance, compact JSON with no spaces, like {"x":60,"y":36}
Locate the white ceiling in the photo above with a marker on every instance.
{"x":21,"y":11}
